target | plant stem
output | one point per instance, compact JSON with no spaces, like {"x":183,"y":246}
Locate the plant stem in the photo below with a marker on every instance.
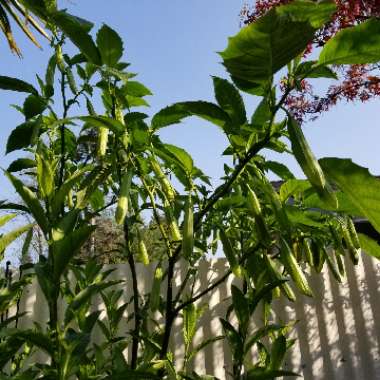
{"x":62,"y":131}
{"x":170,"y":315}
{"x":136,"y":306}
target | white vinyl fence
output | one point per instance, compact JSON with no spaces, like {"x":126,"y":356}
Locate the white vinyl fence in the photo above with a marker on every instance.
{"x":338,"y":333}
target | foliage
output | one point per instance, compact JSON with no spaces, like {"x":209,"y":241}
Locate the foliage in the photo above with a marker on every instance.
{"x":114,"y":159}
{"x":358,"y":81}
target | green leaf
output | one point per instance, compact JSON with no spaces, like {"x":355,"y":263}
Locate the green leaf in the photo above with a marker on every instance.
{"x":344,"y":203}
{"x":261,"y":49}
{"x":45,"y":176}
{"x":181,"y":156}
{"x":22,"y":136}
{"x":134,"y":88}
{"x":259,"y":295}
{"x":132,"y":117}
{"x":136,"y":101}
{"x":317,"y":14}
{"x":307,"y":218}
{"x":34,"y":105}
{"x":369,"y":246}
{"x":59,"y":197}
{"x":77,"y":31}
{"x":8,"y":349}
{"x":26,"y":246}
{"x":279,"y":169}
{"x":97,"y":199}
{"x":65,"y":225}
{"x":14,"y":84}
{"x":38,"y":7}
{"x":360,"y":187}
{"x":230,"y":253}
{"x":65,"y":248}
{"x":234,"y":339}
{"x":83,"y":296}
{"x":204,"y":344}
{"x":50,"y":72}
{"x":310,"y":69}
{"x":104,"y":122}
{"x":21,"y":164}
{"x":262,"y":115}
{"x":240,"y":304}
{"x":43,"y":271}
{"x":189,"y":323}
{"x":4,"y":219}
{"x":12,"y":206}
{"x":110,"y":46}
{"x":37,"y":339}
{"x":31,"y":201}
{"x":178,"y":111}
{"x":261,"y":333}
{"x":293,"y":187}
{"x":230,"y":100}
{"x":10,"y":237}
{"x":278,"y":352}
{"x":356,"y":45}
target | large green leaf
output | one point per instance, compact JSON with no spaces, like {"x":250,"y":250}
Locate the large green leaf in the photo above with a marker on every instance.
{"x":356,"y":45}
{"x":34,"y":105}
{"x":293,"y":187}
{"x":21,"y":164}
{"x":38,"y":7}
{"x":181,"y":156}
{"x":31,"y":200}
{"x":77,"y":31}
{"x":230,"y":100}
{"x":360,"y":187}
{"x":59,"y":197}
{"x":136,"y":89}
{"x":14,"y":84}
{"x":279,"y":169}
{"x":265,"y":46}
{"x":110,"y":45}
{"x":21,"y":137}
{"x":369,"y":246}
{"x":178,"y":111}
{"x":10,"y":237}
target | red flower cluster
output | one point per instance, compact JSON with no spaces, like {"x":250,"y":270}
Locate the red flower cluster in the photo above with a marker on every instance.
{"x":357,"y":82}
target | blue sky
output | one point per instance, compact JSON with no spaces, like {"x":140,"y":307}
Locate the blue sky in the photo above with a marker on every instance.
{"x":173,"y":45}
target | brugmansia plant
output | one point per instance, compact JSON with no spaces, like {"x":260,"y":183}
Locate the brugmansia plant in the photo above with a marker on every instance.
{"x":80,"y":165}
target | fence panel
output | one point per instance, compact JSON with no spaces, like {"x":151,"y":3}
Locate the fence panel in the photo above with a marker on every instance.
{"x":338,"y":333}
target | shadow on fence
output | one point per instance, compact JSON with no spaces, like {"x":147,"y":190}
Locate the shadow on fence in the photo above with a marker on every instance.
{"x":338,"y":331}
